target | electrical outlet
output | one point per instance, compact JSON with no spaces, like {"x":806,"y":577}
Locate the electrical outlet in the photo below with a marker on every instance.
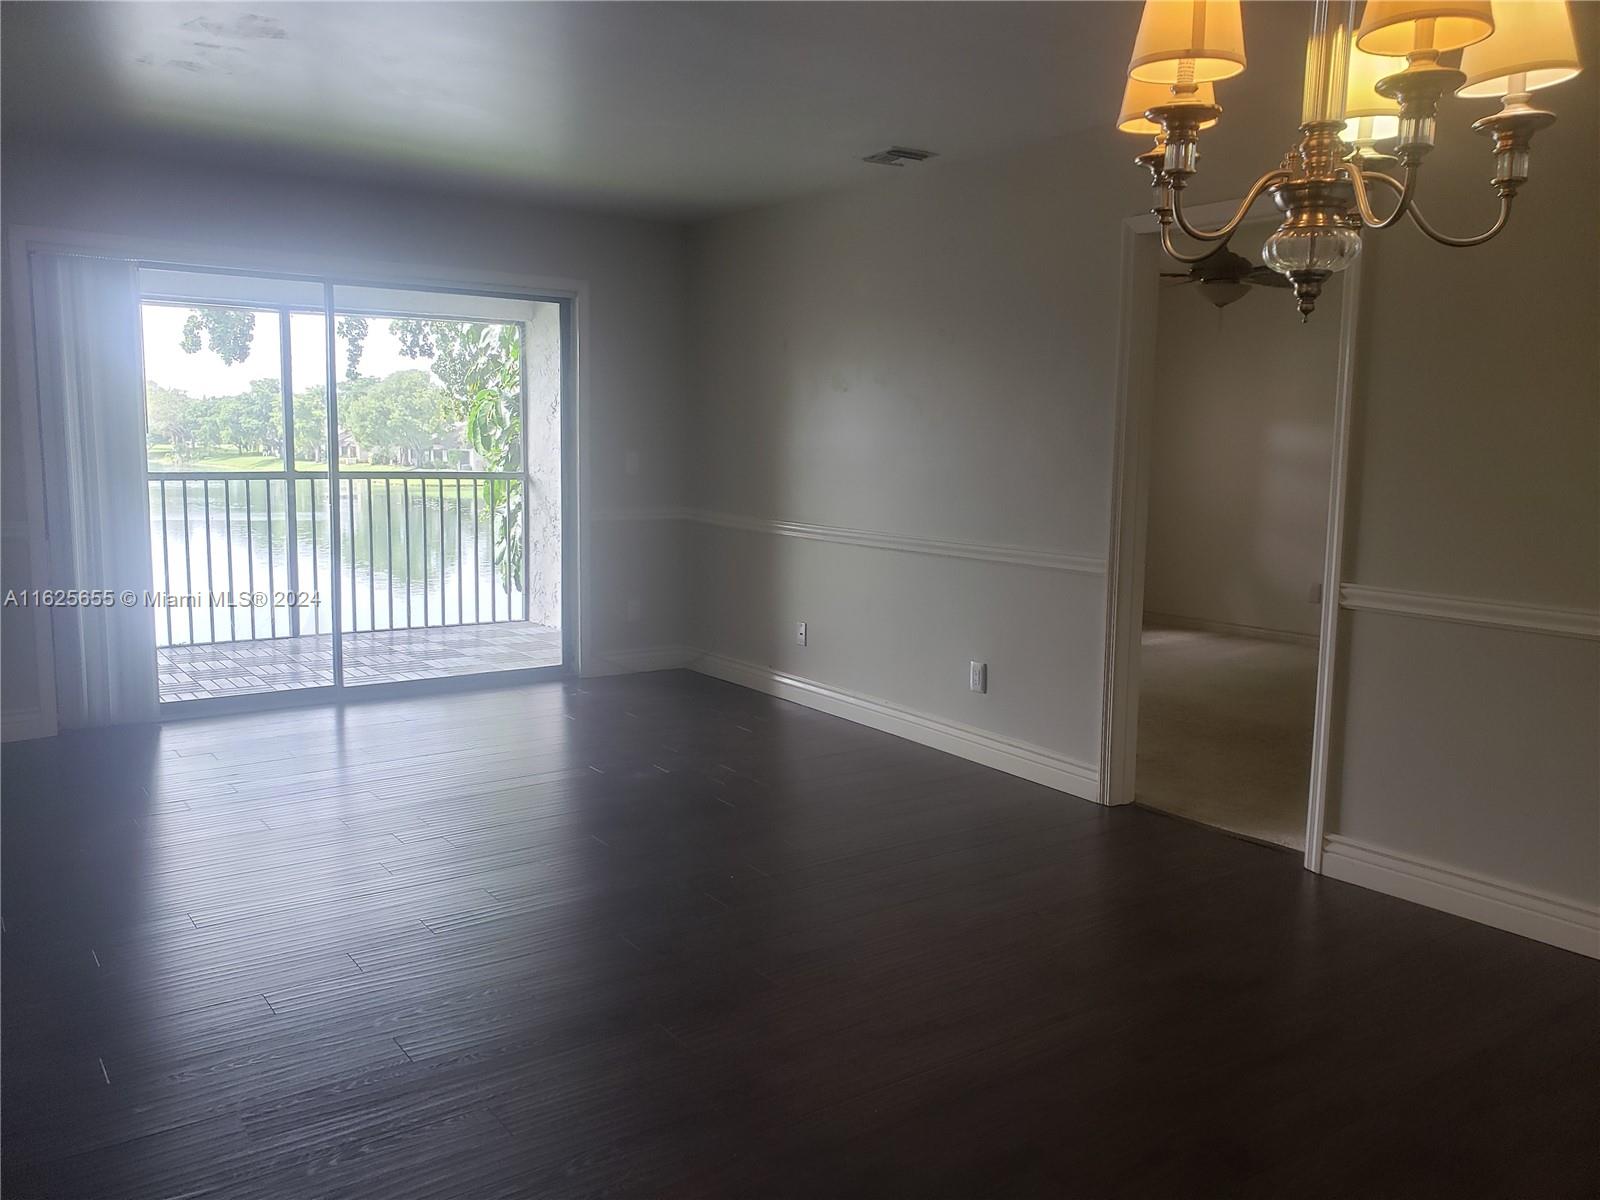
{"x":1314,"y":594}
{"x":800,"y":633}
{"x":978,"y":677}
{"x":630,"y":462}
{"x":634,"y":608}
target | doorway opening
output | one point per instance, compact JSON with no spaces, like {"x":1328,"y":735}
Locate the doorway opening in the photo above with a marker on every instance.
{"x":352,"y":486}
{"x":1229,"y":507}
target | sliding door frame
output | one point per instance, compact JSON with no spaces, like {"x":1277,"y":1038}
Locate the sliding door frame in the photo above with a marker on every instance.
{"x":570,"y":297}
{"x":330,"y":342}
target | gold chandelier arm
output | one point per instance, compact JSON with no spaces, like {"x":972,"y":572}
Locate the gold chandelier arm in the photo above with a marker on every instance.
{"x":1174,"y":253}
{"x":1476,"y":240}
{"x":1226,"y":231}
{"x":1406,"y":190}
{"x":1443,"y":239}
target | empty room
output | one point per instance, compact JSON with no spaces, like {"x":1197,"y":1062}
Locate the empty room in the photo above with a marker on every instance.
{"x":800,"y":600}
{"x":1239,"y":460}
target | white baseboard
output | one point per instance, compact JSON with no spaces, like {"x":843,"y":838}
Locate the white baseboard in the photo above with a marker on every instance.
{"x":647,"y":658}
{"x":1202,"y":625}
{"x":1013,"y":757}
{"x":1537,"y":915}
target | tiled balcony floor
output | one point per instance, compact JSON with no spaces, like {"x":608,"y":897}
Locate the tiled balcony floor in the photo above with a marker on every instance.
{"x":242,"y":668}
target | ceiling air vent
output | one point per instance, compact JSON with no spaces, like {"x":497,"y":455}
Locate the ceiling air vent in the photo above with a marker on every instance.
{"x":899,"y":156}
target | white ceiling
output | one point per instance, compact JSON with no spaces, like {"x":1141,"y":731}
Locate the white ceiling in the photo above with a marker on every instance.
{"x":677,"y":108}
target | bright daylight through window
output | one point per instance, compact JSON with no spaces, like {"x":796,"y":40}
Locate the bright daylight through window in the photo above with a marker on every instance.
{"x":429,"y":546}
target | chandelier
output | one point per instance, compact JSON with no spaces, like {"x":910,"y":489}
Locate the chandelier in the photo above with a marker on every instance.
{"x":1370,"y":106}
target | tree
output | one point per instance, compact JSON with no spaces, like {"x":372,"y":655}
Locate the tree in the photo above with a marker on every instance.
{"x":354,"y":332}
{"x":171,"y":416}
{"x":311,"y":423}
{"x":207,"y":418}
{"x":404,"y":415}
{"x":252,"y":421}
{"x":227,"y":331}
{"x":481,"y":367}
{"x":398,"y":418}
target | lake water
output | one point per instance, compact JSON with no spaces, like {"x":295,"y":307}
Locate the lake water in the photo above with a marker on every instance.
{"x":408,"y":560}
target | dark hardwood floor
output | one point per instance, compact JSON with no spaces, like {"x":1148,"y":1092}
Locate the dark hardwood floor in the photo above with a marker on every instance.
{"x":660,"y":936}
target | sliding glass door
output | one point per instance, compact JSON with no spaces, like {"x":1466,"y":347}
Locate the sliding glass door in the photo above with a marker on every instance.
{"x":388,"y":515}
{"x":448,"y":483}
{"x":235,"y":511}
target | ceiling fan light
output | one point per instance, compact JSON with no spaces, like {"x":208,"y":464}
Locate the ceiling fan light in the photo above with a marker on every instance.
{"x":1409,"y":26}
{"x":1223,"y":292}
{"x":1138,"y":98}
{"x":1188,"y":41}
{"x":1532,"y":39}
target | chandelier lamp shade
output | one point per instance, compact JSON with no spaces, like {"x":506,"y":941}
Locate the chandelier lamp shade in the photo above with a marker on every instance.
{"x":1369,"y":113}
{"x":1370,"y":117}
{"x":1403,"y":26}
{"x":1188,"y":41}
{"x":1533,"y":47}
{"x":1138,"y":98}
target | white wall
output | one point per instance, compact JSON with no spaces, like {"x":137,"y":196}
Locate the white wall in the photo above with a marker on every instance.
{"x":1241,"y":443}
{"x":933,"y":356}
{"x":632,"y":332}
{"x":922,"y":361}
{"x":931,"y":359}
{"x":1476,"y":446}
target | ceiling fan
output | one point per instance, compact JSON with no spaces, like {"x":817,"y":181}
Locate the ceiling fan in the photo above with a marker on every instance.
{"x":1224,"y":276}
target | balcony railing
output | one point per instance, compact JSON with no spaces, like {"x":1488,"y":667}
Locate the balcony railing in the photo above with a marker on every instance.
{"x":250,"y":555}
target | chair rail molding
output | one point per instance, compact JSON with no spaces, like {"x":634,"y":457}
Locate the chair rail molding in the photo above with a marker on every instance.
{"x":1466,"y":610}
{"x":1020,"y":556}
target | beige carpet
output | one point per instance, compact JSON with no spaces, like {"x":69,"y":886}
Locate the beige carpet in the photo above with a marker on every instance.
{"x":1225,"y":731}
